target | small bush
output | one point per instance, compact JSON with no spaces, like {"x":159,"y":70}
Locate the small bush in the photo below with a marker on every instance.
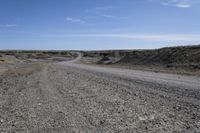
{"x":1,"y":60}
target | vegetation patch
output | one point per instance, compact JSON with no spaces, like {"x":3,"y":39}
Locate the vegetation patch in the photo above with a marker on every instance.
{"x":2,"y":60}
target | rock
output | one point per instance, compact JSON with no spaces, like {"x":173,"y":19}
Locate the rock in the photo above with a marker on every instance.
{"x":1,"y":120}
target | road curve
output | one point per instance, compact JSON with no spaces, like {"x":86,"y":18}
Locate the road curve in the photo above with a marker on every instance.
{"x":77,"y":59}
{"x":146,"y":76}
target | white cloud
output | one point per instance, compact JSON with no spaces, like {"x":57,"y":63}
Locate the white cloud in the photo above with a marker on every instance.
{"x":177,"y":3}
{"x":100,"y":9}
{"x":99,"y":12}
{"x":107,"y":16}
{"x":162,"y":37}
{"x":10,"y":25}
{"x":105,"y":8}
{"x":112,"y":17}
{"x":183,"y":5}
{"x":75,"y":20}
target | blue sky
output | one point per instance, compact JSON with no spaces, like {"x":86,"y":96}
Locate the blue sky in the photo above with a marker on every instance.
{"x":98,"y":24}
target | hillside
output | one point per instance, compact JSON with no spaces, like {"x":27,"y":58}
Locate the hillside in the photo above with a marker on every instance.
{"x":184,"y":58}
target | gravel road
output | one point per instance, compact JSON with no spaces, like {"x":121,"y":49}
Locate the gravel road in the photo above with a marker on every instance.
{"x":77,"y":98}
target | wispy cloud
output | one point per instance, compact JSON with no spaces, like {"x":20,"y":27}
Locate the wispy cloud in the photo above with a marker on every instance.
{"x":164,"y":37}
{"x":100,"y":9}
{"x":107,"y":16}
{"x":183,"y":5}
{"x":78,"y":21}
{"x":75,"y":20}
{"x":10,"y":25}
{"x":104,"y":12}
{"x":177,"y":3}
{"x":105,"y":8}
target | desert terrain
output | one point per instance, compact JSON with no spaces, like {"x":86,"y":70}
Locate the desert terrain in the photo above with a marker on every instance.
{"x":141,"y":91}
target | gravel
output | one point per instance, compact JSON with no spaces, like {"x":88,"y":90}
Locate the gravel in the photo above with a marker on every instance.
{"x":70,"y":97}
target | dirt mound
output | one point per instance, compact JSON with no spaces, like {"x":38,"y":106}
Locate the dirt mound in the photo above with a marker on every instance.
{"x":188,"y":54}
{"x":180,"y":59}
{"x":185,"y":56}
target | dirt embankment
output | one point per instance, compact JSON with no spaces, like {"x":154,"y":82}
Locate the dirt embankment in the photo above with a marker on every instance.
{"x":13,"y":59}
{"x":182,"y":59}
{"x":33,"y":56}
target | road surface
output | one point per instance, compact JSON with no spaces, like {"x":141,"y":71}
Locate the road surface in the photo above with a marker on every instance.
{"x":77,"y":98}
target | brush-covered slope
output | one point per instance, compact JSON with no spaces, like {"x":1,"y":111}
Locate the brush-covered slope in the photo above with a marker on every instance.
{"x":180,"y":57}
{"x":185,"y":56}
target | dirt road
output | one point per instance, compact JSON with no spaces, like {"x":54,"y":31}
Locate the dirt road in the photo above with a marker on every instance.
{"x":69,"y":97}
